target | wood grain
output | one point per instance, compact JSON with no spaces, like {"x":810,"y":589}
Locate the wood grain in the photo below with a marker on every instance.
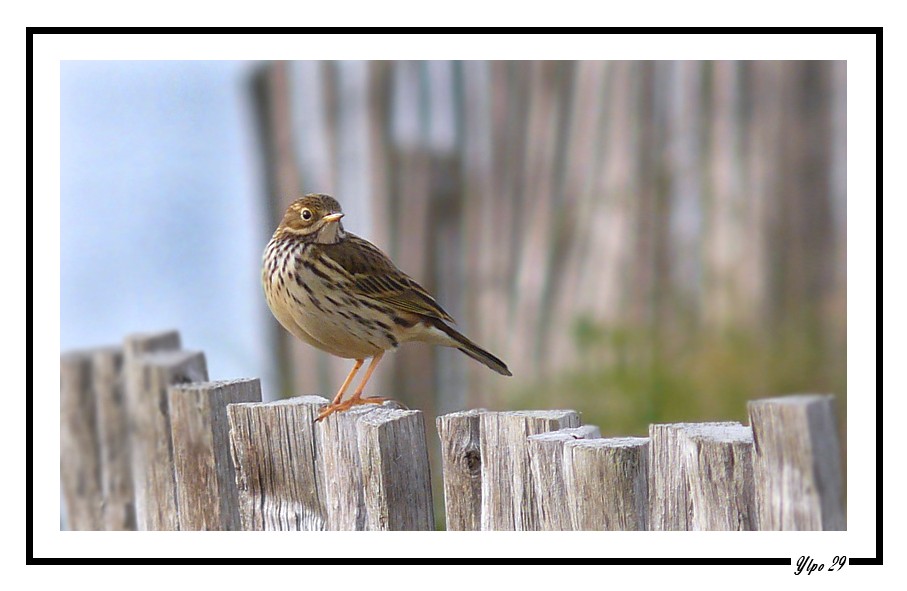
{"x":546,"y":460}
{"x":279,"y":480}
{"x":700,"y":477}
{"x":508,"y":497}
{"x":797,"y":463}
{"x":461,"y":465}
{"x":205,"y":478}
{"x":396,"y":480}
{"x":606,"y":483}
{"x":338,"y":450}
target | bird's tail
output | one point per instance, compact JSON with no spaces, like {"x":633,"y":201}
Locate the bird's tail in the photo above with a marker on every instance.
{"x":473,"y":350}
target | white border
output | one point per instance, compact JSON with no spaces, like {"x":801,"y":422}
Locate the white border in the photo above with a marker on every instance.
{"x":859,"y":51}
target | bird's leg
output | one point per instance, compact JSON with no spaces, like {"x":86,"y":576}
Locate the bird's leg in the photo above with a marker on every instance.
{"x":347,"y":381}
{"x":357,"y":395}
{"x":357,"y":398}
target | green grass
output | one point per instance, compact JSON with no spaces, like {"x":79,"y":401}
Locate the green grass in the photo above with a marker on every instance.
{"x":627,"y":378}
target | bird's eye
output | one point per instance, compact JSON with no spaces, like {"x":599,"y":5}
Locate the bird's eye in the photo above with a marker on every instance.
{"x":306,"y":214}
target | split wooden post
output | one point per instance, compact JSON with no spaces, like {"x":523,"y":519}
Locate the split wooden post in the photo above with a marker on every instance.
{"x":375,"y":463}
{"x":508,"y":501}
{"x":79,"y":458}
{"x":607,"y":483}
{"x":205,"y":478}
{"x":797,"y":463}
{"x":152,"y":448}
{"x":396,"y":480}
{"x":701,"y":477}
{"x":546,"y":461}
{"x":365,"y":468}
{"x":461,"y":464}
{"x":278,"y":475}
{"x":118,"y":510}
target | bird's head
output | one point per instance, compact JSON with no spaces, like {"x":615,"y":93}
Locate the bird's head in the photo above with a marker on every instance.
{"x":315,"y":218}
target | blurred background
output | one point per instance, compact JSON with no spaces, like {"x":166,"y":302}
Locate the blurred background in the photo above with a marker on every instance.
{"x":639,"y":241}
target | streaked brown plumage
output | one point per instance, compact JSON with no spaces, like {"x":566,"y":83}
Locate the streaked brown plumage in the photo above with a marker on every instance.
{"x":341,"y":294}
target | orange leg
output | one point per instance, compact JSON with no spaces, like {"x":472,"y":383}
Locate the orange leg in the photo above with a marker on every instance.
{"x":357,"y":399}
{"x":347,"y":381}
{"x":357,"y":395}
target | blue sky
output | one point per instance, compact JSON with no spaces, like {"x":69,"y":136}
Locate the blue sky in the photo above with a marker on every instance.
{"x":163,"y":212}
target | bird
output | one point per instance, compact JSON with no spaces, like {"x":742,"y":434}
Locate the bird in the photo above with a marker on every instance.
{"x":341,"y":294}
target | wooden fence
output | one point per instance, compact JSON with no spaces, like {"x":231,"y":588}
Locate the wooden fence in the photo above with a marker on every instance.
{"x":148,"y":443}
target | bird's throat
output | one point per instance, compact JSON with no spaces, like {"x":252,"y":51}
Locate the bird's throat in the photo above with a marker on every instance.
{"x":330,"y":233}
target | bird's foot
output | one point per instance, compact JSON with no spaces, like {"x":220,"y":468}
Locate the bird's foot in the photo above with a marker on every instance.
{"x":348,"y":404}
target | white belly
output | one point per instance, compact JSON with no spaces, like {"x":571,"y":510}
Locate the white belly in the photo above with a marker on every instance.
{"x":324,"y":315}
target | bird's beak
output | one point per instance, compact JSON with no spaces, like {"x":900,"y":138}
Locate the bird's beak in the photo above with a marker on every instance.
{"x":334,"y":217}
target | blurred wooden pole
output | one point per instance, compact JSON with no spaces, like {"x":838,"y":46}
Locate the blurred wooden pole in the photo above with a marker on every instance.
{"x":135,"y":346}
{"x":575,"y":226}
{"x":299,"y":362}
{"x":113,"y":439}
{"x":538,"y":209}
{"x":724,"y":224}
{"x":604,"y":291}
{"x":446,"y":217}
{"x":412,"y":247}
{"x":686,"y":118}
{"x":79,"y":458}
{"x":499,"y":233}
{"x":479,"y":180}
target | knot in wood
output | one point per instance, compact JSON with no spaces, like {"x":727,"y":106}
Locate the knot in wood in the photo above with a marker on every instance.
{"x":473,"y":461}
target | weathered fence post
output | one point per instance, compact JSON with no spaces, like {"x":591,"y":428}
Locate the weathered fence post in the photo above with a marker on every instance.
{"x":508,"y":501}
{"x":79,"y":458}
{"x":461,"y":464}
{"x":113,"y":440}
{"x":152,"y":447}
{"x":279,"y":478}
{"x":134,"y":346}
{"x":797,"y":463}
{"x":396,"y":480}
{"x":144,"y":443}
{"x":546,"y":460}
{"x":607,"y":483}
{"x":338,"y":450}
{"x":205,"y":478}
{"x":365,"y":468}
{"x":701,"y":477}
{"x":375,"y":469}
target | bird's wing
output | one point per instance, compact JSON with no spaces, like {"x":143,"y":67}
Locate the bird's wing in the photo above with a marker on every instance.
{"x":372,"y":274}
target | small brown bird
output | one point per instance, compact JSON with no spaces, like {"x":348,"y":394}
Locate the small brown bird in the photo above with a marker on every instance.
{"x":339,"y":293}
